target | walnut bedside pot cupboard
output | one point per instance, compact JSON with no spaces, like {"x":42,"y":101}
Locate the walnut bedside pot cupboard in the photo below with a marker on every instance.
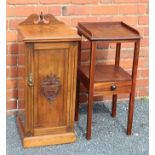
{"x":112,"y":80}
{"x":51,"y":50}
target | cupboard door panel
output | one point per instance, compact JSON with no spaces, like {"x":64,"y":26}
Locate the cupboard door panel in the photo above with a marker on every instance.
{"x":50,"y":106}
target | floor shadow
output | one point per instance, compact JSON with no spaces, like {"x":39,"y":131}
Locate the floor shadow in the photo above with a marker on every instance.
{"x":98,"y":108}
{"x":82,"y":129}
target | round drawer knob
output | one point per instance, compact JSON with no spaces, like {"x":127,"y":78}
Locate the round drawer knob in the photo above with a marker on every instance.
{"x":113,"y":87}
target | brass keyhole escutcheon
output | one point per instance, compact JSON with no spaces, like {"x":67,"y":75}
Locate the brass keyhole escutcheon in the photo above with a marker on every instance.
{"x":30,"y":80}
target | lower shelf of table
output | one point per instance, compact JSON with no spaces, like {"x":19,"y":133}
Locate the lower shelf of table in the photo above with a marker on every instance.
{"x":44,"y":140}
{"x":105,"y":77}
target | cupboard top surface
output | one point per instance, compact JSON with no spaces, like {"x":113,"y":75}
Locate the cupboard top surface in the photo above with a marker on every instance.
{"x":108,"y":31}
{"x":34,"y":30}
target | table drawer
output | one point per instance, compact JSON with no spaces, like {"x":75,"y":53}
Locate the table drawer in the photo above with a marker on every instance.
{"x":110,"y":88}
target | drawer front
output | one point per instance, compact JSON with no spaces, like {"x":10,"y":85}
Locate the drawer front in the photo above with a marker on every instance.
{"x":111,"y":88}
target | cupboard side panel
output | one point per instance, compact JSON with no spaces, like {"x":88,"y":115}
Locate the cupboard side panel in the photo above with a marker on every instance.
{"x":71,"y":91}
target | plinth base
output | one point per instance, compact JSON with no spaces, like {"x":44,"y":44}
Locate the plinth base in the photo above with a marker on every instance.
{"x":43,"y":140}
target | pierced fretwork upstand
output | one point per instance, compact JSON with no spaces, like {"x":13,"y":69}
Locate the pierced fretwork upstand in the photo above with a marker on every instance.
{"x":107,"y":79}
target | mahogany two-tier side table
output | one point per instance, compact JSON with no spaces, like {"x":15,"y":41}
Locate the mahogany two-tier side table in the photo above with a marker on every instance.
{"x":51,"y":50}
{"x":112,"y":80}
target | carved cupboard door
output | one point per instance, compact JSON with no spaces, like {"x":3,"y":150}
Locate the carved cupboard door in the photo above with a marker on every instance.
{"x":55,"y":67}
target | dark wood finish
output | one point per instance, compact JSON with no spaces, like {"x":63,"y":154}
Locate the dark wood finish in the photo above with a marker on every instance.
{"x":132,"y":94}
{"x":108,"y":79}
{"x":105,"y":73}
{"x":117,"y":61}
{"x":105,"y":76}
{"x":91,"y":89}
{"x":50,"y":81}
{"x":114,"y":105}
{"x":100,"y":31}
